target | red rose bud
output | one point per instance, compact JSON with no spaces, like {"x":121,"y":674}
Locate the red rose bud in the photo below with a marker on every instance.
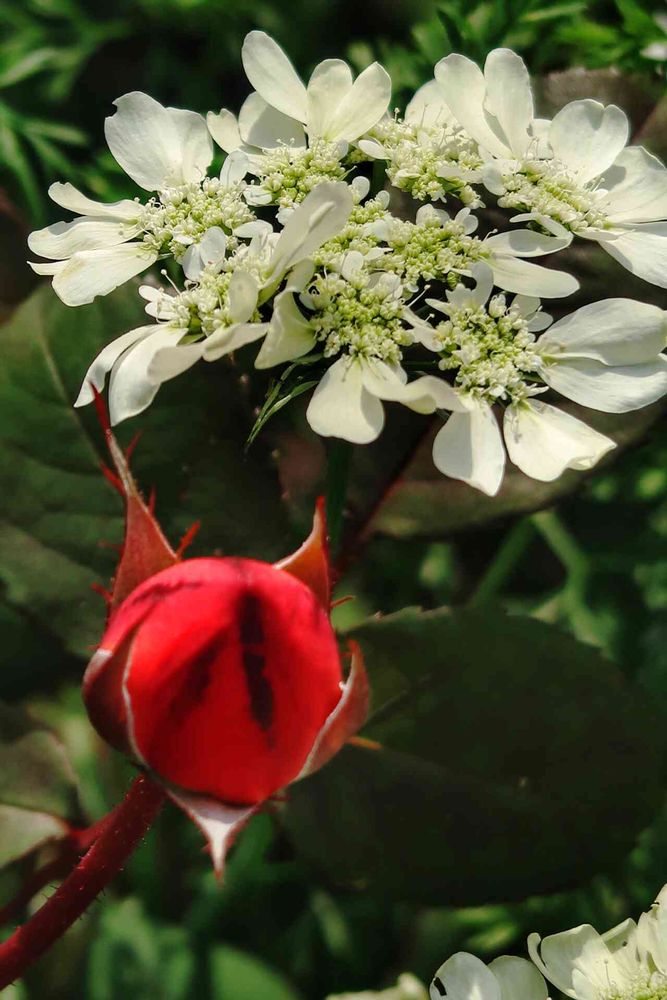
{"x":230,"y":668}
{"x":221,"y":676}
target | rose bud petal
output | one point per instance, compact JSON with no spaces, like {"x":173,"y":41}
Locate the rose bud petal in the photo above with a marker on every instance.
{"x":230,"y":668}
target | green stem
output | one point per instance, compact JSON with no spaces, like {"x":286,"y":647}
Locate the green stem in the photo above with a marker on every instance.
{"x":339,"y":457}
{"x":504,"y":562}
{"x":578,"y":567}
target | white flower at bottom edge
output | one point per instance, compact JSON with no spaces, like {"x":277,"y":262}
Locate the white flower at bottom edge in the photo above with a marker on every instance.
{"x":407,"y":988}
{"x":628,"y":962}
{"x":347,"y":403}
{"x":465,"y":977}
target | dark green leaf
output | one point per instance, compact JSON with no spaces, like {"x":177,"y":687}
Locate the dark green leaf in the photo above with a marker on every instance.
{"x":517,"y":761}
{"x":57,"y":512}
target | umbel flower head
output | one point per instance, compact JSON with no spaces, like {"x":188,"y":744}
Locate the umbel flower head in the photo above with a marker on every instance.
{"x":220,"y":676}
{"x":575,"y":173}
{"x":628,"y":962}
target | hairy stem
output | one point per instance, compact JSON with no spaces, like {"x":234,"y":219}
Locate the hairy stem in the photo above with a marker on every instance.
{"x":128,"y":824}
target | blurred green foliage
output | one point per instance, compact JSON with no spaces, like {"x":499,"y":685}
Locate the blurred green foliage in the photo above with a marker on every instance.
{"x":596,"y":567}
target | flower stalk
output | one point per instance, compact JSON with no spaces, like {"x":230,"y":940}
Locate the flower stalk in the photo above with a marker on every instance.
{"x":127,"y":826}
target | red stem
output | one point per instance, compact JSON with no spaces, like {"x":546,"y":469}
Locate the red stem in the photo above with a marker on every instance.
{"x":127,"y":825}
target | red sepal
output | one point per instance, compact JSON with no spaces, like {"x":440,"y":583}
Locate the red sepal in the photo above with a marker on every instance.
{"x":347,"y":717}
{"x":145,"y":550}
{"x":220,"y":824}
{"x":310,"y":562}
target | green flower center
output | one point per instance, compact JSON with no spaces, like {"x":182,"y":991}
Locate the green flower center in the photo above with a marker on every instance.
{"x":431,"y":250}
{"x":547,"y":187}
{"x":491,"y":350}
{"x":356,"y":234}
{"x":420,"y":158}
{"x":180,"y":216}
{"x":287,"y":174}
{"x":357,"y":318}
{"x":649,"y":987}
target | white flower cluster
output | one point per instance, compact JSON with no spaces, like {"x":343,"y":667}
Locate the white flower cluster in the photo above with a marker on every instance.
{"x":324,"y":239}
{"x":628,"y":962}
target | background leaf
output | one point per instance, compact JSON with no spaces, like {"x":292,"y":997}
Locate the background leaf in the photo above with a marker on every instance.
{"x":37,"y":786}
{"x":512,"y":763}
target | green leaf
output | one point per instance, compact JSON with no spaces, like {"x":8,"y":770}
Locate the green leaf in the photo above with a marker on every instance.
{"x":243,"y":977}
{"x":132,"y":956}
{"x":37,"y":786}
{"x":517,"y":761}
{"x":57,"y":513}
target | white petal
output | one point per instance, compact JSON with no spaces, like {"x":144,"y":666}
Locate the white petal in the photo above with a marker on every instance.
{"x":637,"y":187}
{"x":225,"y":130}
{"x":526,"y":243}
{"x":219,"y":823}
{"x":515,"y":275}
{"x":470,"y":447}
{"x":428,"y":106}
{"x":611,"y":390}
{"x":464,"y":89}
{"x":98,"y":272}
{"x":131,"y":389}
{"x":642,"y":250}
{"x":588,"y":136}
{"x":425,"y":395}
{"x":53,"y":267}
{"x":234,"y":168}
{"x":105,"y":360}
{"x":262,"y":125}
{"x":319,"y":217}
{"x":272,"y":75}
{"x":328,"y":86}
{"x":372,"y":148}
{"x":290,"y":334}
{"x":518,"y":979}
{"x":577,"y":961}
{"x":213,"y":244}
{"x":158,"y":147}
{"x":555,"y":955}
{"x":543,"y":441}
{"x":168,"y":362}
{"x":64,"y":239}
{"x":243,"y":292}
{"x":509,"y":97}
{"x":67,"y":196}
{"x":465,"y":977}
{"x":363,"y":106}
{"x":192,"y":262}
{"x":613,"y":331}
{"x":341,"y":407}
{"x":228,"y":339}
